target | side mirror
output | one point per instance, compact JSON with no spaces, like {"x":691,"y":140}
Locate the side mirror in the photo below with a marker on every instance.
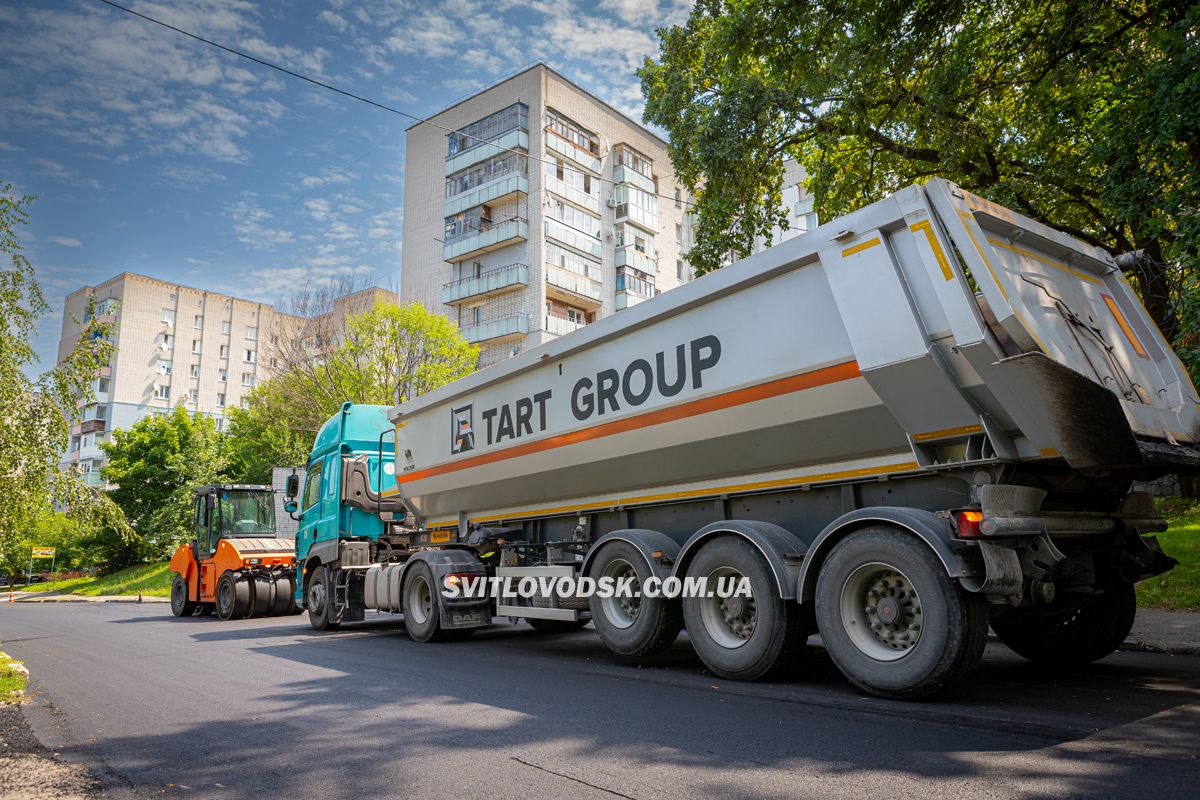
{"x":292,"y":488}
{"x":290,"y":506}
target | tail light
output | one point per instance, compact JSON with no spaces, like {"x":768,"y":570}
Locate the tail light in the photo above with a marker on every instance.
{"x":461,"y":580}
{"x":968,"y":524}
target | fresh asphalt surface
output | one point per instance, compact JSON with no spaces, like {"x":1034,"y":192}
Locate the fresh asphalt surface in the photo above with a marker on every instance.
{"x":270,"y":708}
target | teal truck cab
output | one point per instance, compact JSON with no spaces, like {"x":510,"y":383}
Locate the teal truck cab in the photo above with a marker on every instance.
{"x":349,"y":522}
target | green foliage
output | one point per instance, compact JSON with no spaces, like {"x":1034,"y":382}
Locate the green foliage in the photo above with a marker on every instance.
{"x":152,"y":580}
{"x":154,"y":466}
{"x":50,"y":529}
{"x":1085,"y":116}
{"x":1178,"y":589}
{"x":389,"y":354}
{"x":37,"y":414}
{"x":13,"y":677}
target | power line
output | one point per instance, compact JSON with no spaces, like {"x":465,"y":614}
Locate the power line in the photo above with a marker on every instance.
{"x":353,"y":96}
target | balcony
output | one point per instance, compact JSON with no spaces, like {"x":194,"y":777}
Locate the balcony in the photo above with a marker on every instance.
{"x":627,"y":298}
{"x":72,"y":456}
{"x":630,"y":256}
{"x":496,"y":329}
{"x":488,"y":284}
{"x":583,"y":158}
{"x":496,"y":192}
{"x":573,"y":288}
{"x":565,"y":234}
{"x":91,"y":426}
{"x":577,"y":196}
{"x":623,"y":174}
{"x":560,"y":326}
{"x":490,"y":238}
{"x":515,"y":139}
{"x":628,"y":212}
{"x":89,"y":478}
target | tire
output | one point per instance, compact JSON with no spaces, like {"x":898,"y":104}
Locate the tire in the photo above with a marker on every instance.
{"x":284,"y":595}
{"x":317,"y":600}
{"x":1081,"y":636}
{"x":936,"y":633}
{"x":419,"y":601}
{"x":262,"y":595}
{"x":632,"y":627}
{"x":233,"y":596}
{"x":740,"y":638}
{"x":548,"y":626}
{"x":181,"y":606}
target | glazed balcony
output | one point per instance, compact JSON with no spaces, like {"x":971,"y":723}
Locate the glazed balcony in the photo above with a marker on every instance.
{"x":572,"y":288}
{"x":630,"y":256}
{"x":515,"y":139}
{"x":560,"y":325}
{"x":485,"y":240}
{"x":487,"y":284}
{"x":508,"y":326}
{"x":495,"y":193}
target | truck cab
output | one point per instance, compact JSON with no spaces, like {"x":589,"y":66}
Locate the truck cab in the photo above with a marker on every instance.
{"x":341,"y":507}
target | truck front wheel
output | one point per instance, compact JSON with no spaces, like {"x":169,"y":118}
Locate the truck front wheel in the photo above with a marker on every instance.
{"x":893,"y":621}
{"x":740,"y":637}
{"x":629,"y":623}
{"x":1080,"y":636}
{"x":319,"y":601}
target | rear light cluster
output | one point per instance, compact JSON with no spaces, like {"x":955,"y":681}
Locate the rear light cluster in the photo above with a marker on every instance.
{"x":463,"y":580}
{"x":968,"y":524}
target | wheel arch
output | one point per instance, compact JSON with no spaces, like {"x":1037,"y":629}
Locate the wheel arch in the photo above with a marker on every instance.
{"x":441,"y":563}
{"x":781,"y":548}
{"x":645,"y":541}
{"x":931,"y":529}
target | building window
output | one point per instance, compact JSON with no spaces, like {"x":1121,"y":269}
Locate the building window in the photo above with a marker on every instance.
{"x":636,"y":281}
{"x":248,"y":356}
{"x":223,"y":375}
{"x":221,"y":422}
{"x":198,"y":322}
{"x":165,"y":367}
{"x":225,"y":327}
{"x":168,"y":341}
{"x":806,"y":218}
{"x":192,"y":396}
{"x":678,"y":233}
{"x":162,"y":392}
{"x":168,"y":316}
{"x":220,"y":399}
{"x":679,"y":270}
{"x":626,"y":156}
{"x":251,"y":333}
{"x":102,"y":385}
{"x":488,"y":128}
{"x":247,"y":379}
{"x":576,"y":135}
{"x":195,"y":370}
{"x":678,"y":198}
{"x":224,"y":351}
{"x":486,"y":172}
{"x":195,"y":345}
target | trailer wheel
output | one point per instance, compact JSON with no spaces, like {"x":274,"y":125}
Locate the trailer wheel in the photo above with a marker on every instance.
{"x":738,"y":637}
{"x":892,"y":620}
{"x":1081,"y":636}
{"x":233,"y":596}
{"x":181,"y":606}
{"x":319,"y":602}
{"x":631,"y":626}
{"x":557,"y":625}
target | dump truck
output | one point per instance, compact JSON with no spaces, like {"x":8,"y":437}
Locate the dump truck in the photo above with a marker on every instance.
{"x":235,"y":565}
{"x":908,"y":425}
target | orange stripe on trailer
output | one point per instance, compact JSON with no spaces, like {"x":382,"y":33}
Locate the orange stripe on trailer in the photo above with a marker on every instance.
{"x":858,"y":248}
{"x":938,"y":253}
{"x":1129,"y":334}
{"x":750,"y":394}
{"x":946,"y":433}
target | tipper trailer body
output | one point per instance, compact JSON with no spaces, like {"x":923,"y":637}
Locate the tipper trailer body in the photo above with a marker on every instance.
{"x":917,"y":419}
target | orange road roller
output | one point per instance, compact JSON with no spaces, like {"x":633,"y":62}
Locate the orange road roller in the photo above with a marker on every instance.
{"x":236,"y":565}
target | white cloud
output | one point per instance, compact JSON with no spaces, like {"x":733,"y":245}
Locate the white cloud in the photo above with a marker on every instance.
{"x":64,"y":241}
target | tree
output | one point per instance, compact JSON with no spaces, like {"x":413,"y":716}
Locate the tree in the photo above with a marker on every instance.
{"x":36,"y":415}
{"x":154,"y":467}
{"x":388,"y":355}
{"x":1083,"y":115}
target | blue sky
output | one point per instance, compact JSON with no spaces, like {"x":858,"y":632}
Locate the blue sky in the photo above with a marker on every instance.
{"x":156,"y":154}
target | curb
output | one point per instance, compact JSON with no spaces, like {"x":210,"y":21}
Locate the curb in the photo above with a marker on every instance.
{"x":92,"y":600}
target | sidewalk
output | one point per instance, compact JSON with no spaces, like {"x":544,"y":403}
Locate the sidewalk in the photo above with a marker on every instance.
{"x":58,"y":597}
{"x":1175,"y":632}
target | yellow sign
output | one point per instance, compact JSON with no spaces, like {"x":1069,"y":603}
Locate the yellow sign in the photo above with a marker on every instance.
{"x":43,"y":552}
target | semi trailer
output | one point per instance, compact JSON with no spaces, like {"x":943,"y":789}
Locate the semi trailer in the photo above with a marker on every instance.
{"x":914,"y":422}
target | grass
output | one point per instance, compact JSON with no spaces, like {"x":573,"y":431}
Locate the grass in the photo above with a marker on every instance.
{"x":1179,"y":589}
{"x":12,"y":679}
{"x":154,"y":580}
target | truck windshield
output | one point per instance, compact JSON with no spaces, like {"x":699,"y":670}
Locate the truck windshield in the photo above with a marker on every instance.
{"x":247,"y":514}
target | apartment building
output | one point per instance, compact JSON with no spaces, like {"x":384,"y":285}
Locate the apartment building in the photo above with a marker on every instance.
{"x":533,"y":208}
{"x":797,"y":205}
{"x":177,"y":345}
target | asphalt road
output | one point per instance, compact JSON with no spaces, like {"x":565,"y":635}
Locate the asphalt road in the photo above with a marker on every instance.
{"x":269,"y":708}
